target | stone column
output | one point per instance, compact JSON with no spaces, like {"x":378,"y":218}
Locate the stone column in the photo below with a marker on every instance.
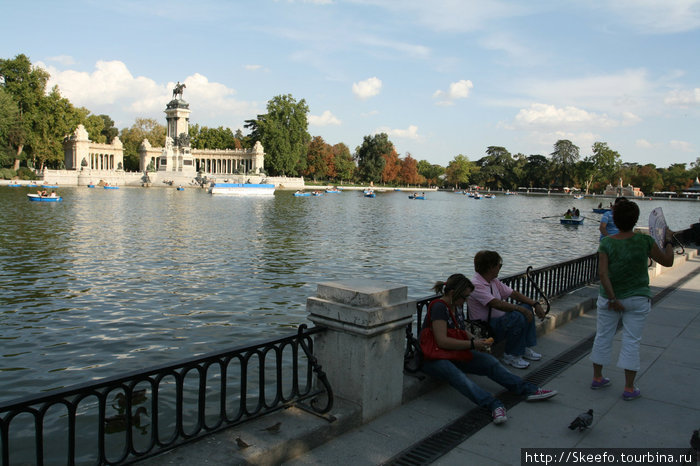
{"x":362,"y":351}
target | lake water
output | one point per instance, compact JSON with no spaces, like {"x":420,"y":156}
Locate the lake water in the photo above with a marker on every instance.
{"x":115,"y":280}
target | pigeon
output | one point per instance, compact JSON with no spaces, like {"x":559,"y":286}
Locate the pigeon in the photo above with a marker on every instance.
{"x":273,"y":429}
{"x":241,"y":444}
{"x":583,"y":421}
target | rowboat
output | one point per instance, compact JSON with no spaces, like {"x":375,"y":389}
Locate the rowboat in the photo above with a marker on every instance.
{"x":489,"y":196}
{"x":571,"y":221}
{"x":110,"y":187}
{"x":180,"y":188}
{"x":317,"y":193}
{"x":91,"y":186}
{"x":301,"y":194}
{"x":38,"y":198}
{"x":369,"y":193}
{"x":578,"y":196}
{"x":241,"y":189}
{"x":600,"y":211}
{"x":416,"y":197}
{"x":336,"y":191}
{"x":16,"y":185}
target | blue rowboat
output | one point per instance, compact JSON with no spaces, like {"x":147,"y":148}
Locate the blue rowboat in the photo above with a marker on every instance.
{"x":416,"y":197}
{"x":14,"y":185}
{"x":180,"y":188}
{"x":336,"y":191}
{"x":91,"y":186}
{"x":37,"y":198}
{"x":600,"y":211}
{"x":571,"y":221}
{"x":49,"y":186}
{"x":302,"y":194}
{"x":111,"y":187}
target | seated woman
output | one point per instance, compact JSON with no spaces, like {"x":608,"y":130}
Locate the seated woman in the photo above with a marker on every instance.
{"x":511,"y":322}
{"x":447,"y":312}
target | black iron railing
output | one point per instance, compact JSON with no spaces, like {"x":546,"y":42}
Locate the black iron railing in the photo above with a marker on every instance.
{"x":544,"y":283}
{"x":125,"y":418}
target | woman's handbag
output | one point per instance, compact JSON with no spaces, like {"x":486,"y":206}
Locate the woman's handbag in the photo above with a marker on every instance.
{"x":431,"y":350}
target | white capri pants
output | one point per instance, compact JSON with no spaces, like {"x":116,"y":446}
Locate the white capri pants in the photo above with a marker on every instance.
{"x":633,"y":319}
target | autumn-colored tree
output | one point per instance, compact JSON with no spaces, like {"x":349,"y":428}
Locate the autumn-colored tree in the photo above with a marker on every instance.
{"x":408,"y":174}
{"x":318,"y":158}
{"x":390,"y":173}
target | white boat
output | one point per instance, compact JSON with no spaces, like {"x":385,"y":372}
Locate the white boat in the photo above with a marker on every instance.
{"x":241,"y":189}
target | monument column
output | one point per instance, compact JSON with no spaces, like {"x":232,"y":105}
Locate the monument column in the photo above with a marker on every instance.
{"x":177,"y":155}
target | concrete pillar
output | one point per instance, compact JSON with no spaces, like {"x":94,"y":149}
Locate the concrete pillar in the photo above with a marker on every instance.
{"x":362,"y":351}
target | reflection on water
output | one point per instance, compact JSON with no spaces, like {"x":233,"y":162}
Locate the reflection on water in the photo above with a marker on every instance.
{"x":114,"y":280}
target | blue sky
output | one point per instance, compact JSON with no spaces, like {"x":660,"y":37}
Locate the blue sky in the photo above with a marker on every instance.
{"x":440,"y":77}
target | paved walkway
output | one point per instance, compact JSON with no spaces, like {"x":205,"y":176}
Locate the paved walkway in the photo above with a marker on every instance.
{"x":664,"y":416}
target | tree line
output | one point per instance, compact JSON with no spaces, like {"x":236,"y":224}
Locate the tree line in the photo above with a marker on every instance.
{"x":34,"y":123}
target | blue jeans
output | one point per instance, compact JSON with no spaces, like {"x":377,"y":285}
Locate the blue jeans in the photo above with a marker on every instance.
{"x":516,"y":330}
{"x":455,"y":373}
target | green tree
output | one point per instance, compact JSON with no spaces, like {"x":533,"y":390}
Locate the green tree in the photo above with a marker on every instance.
{"x":343,"y":162}
{"x":9,"y":120}
{"x":94,"y":125}
{"x":584,"y":173}
{"x":283,"y":133}
{"x":57,"y":118}
{"x":109,"y":131}
{"x":494,"y":169}
{"x":676,"y":178}
{"x":26,"y":85}
{"x":143,"y":128}
{"x":695,"y":168}
{"x":431,"y":172}
{"x":458,"y":171}
{"x":563,"y":160}
{"x":535,"y":172}
{"x":648,"y":179}
{"x":607,"y":162}
{"x":370,"y":156}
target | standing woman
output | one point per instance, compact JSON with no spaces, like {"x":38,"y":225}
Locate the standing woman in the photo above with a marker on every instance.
{"x":447,"y":312}
{"x":624,"y":294}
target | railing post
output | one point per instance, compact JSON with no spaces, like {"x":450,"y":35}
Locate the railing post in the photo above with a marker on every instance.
{"x":362,"y":350}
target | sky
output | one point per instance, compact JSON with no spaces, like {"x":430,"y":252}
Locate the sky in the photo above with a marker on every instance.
{"x":440,"y":77}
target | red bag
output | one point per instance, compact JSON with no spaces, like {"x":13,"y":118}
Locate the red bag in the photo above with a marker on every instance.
{"x":431,"y":350}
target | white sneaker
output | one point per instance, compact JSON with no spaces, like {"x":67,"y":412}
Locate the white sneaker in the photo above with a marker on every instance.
{"x":515,"y":361}
{"x":499,"y":415}
{"x":531,"y":355}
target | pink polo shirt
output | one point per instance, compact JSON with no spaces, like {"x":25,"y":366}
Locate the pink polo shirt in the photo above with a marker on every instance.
{"x":483,"y":293}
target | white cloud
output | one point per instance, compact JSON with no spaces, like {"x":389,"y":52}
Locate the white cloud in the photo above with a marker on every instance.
{"x":683,"y":146}
{"x":643,"y":144}
{"x":111,"y":89}
{"x":457,"y":90}
{"x":252,"y":67}
{"x":325,"y":119}
{"x":65,"y":60}
{"x":654,"y":16}
{"x":683,"y":98}
{"x":368,"y":88}
{"x":544,"y":115}
{"x":410,"y":133}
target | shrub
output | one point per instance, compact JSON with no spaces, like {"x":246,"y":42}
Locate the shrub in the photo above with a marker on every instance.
{"x":7,"y":173}
{"x":25,"y":173}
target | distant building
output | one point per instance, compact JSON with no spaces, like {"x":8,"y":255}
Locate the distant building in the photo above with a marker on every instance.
{"x":626,"y":191}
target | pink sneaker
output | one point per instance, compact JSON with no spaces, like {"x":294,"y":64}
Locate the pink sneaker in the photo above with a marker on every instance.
{"x":499,"y":415}
{"x":541,"y":394}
